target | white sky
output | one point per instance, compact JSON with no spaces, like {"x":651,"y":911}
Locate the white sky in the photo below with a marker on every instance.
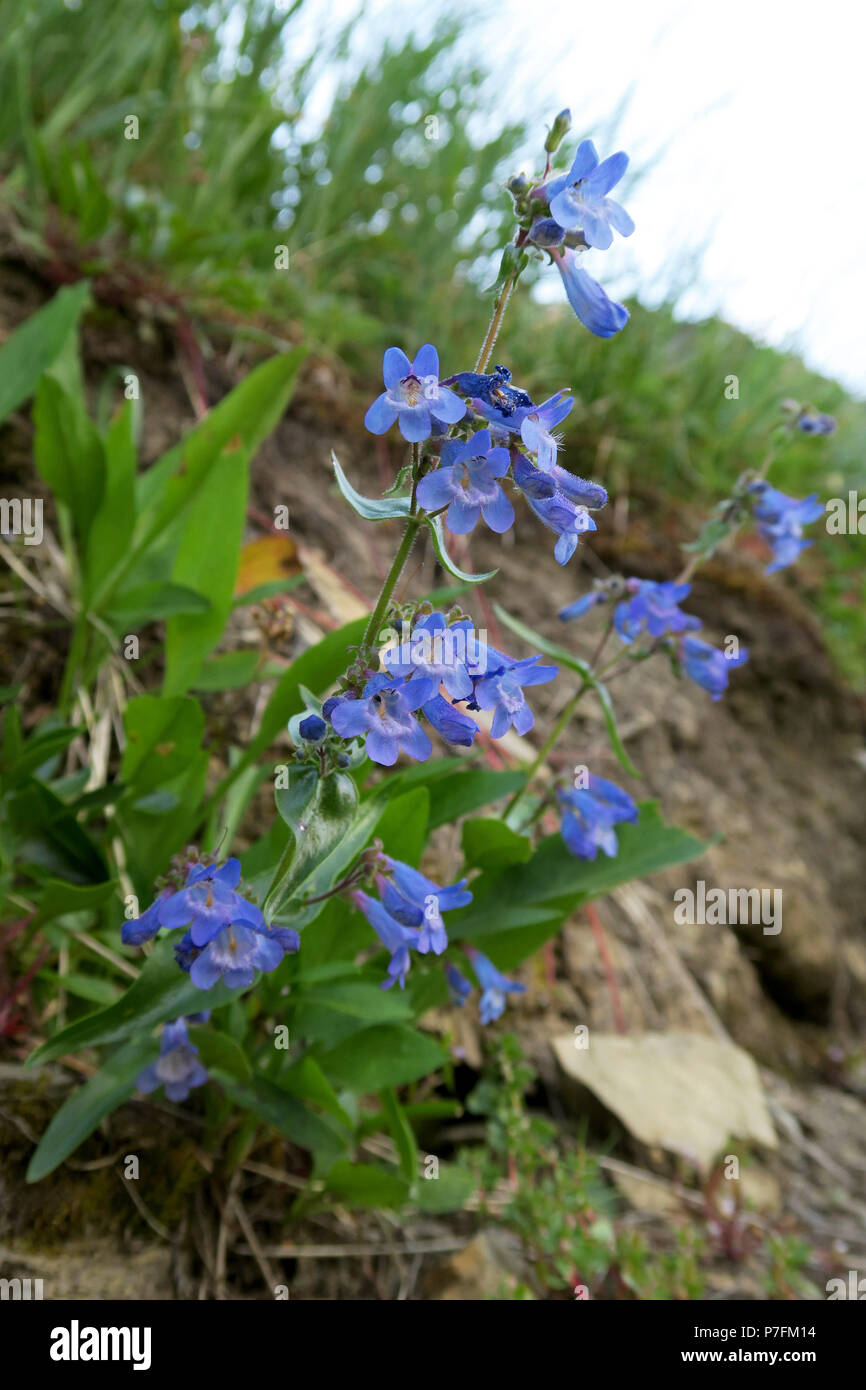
{"x":752,"y":113}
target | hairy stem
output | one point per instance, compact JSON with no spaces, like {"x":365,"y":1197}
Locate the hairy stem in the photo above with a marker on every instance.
{"x":558,"y":729}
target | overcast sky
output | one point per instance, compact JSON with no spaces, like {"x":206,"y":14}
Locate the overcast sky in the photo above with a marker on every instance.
{"x":752,"y":112}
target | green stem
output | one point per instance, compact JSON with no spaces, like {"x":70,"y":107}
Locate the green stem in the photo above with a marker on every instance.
{"x":391,"y":581}
{"x":74,"y":662}
{"x":495,"y":323}
{"x":559,"y":728}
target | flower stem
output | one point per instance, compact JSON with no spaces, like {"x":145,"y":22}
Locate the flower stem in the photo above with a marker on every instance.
{"x":552,"y":738}
{"x":391,"y":579}
{"x":495,"y":323}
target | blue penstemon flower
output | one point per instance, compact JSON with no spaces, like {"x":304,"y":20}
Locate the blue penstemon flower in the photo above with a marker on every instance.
{"x":589,"y":814}
{"x":708,"y":666}
{"x":579,"y":202}
{"x":467,"y":483}
{"x":413,"y":396}
{"x":178,"y":1069}
{"x":653,"y":609}
{"x":780,"y":521}
{"x":384,"y":717}
{"x":495,"y":987}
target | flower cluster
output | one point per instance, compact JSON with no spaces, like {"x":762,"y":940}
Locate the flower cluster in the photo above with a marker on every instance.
{"x":226,"y":936}
{"x":571,"y":213}
{"x":436,"y":655}
{"x":407,"y":915}
{"x":495,"y":987}
{"x":178,"y":1069}
{"x":780,"y":521}
{"x":589,"y":814}
{"x":652,"y":610}
{"x":466,"y":482}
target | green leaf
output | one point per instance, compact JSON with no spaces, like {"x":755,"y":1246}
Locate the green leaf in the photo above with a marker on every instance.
{"x":228,"y":670}
{"x":401,"y":1132}
{"x":323,"y":823}
{"x":450,"y":1191}
{"x":306,"y":1080}
{"x":219,"y":1051}
{"x":386,"y":1055}
{"x":163,"y":735}
{"x":493,"y":844}
{"x":403,"y":826}
{"x":58,"y":898}
{"x":148,"y":603}
{"x":437,"y":528}
{"x":91,"y":987}
{"x":162,"y":991}
{"x":69,"y":455}
{"x":384,"y":509}
{"x":207,"y":559}
{"x":286,"y":1114}
{"x":113,"y":524}
{"x":466,"y":790}
{"x":363,"y":1185}
{"x":87,"y":1106}
{"x":32,"y":347}
{"x":329,"y":1013}
{"x":249,"y":412}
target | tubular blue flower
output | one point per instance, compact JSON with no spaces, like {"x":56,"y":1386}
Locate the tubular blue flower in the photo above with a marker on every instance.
{"x":599,"y":313}
{"x":413,"y":396}
{"x":494,"y":987}
{"x":578,"y":200}
{"x":141,"y":929}
{"x":395,"y":938}
{"x":450,"y":723}
{"x":533,"y":483}
{"x":582,"y":605}
{"x":708,"y":666}
{"x":236,"y":953}
{"x":466,"y":483}
{"x":578,"y":490}
{"x":781,"y":520}
{"x":501,"y":692}
{"x":459,"y":988}
{"x":568,"y":521}
{"x":208,"y":903}
{"x":313,"y":728}
{"x":546,"y":233}
{"x":537,"y":426}
{"x":653,"y":608}
{"x":589,"y":815}
{"x":436,"y":650}
{"x":416,"y":901}
{"x":178,"y":1070}
{"x":384,"y":717}
{"x":492,"y":389}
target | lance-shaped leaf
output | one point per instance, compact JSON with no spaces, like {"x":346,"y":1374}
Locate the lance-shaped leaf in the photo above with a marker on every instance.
{"x":317,"y":823}
{"x":371,"y":509}
{"x":438,"y":529}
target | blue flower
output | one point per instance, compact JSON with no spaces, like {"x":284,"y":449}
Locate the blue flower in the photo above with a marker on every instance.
{"x":582,"y":605}
{"x":501,"y":691}
{"x":436,"y":650}
{"x":395,"y":938}
{"x":178,"y":1068}
{"x":384,"y":717}
{"x":816,"y":424}
{"x":708,"y":666}
{"x":578,"y":200}
{"x":459,"y":988}
{"x":567,"y":520}
{"x":781,"y":520}
{"x":599,"y":313}
{"x":653,"y":608}
{"x":466,"y":483}
{"x":416,"y":901}
{"x":450,"y":723}
{"x":313,"y":728}
{"x":546,"y":233}
{"x":141,"y":929}
{"x":589,"y":814}
{"x":493,"y":390}
{"x":413,"y":396}
{"x":537,"y":426}
{"x":494,"y":987}
{"x":208,"y":903}
{"x":235,"y":954}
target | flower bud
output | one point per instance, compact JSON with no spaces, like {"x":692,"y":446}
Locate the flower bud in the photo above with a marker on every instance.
{"x":558,"y":131}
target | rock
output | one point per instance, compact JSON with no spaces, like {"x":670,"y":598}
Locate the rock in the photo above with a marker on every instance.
{"x":686,"y":1093}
